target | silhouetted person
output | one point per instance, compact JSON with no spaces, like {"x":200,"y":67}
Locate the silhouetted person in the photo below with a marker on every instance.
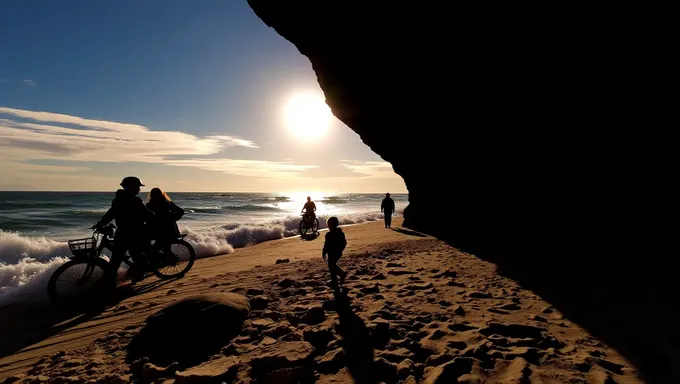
{"x":164,"y":228}
{"x":333,"y":246}
{"x":387,"y":207}
{"x":131,"y":217}
{"x":309,"y":209}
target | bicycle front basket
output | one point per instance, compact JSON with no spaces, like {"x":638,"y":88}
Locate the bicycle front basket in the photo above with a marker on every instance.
{"x":82,"y":247}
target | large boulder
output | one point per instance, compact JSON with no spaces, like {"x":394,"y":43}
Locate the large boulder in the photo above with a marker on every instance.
{"x":523,"y":138}
{"x":191,"y":330}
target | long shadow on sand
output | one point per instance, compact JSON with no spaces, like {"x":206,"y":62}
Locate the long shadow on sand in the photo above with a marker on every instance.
{"x":408,"y":232}
{"x":310,"y":237}
{"x":24,"y":325}
{"x":356,"y":341}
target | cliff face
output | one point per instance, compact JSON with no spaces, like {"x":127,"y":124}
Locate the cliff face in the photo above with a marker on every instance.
{"x":518,"y":139}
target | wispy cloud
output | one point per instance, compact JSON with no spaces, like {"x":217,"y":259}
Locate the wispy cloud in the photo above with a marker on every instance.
{"x":29,"y":82}
{"x":32,"y":135}
{"x":374,"y":169}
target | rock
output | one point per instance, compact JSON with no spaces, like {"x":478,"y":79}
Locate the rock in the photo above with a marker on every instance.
{"x":281,"y":355}
{"x":458,"y":310}
{"x":410,"y":380}
{"x":404,"y":368}
{"x":451,"y":371}
{"x":479,"y":295}
{"x":445,"y":303}
{"x":538,"y":318}
{"x":171,"y":291}
{"x":254,"y":292}
{"x":394,"y":265}
{"x":222,"y":369}
{"x":282,"y":261}
{"x":461,"y":327}
{"x":332,"y":361}
{"x":218,"y":317}
{"x":259,"y":302}
{"x":510,"y":307}
{"x":314,"y":315}
{"x":547,"y":310}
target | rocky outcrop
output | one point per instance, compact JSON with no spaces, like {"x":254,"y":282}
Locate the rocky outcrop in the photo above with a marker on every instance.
{"x":518,"y":134}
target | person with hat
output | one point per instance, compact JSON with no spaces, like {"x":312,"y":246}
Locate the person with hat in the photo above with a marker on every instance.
{"x":387,"y":207}
{"x":132,"y":218}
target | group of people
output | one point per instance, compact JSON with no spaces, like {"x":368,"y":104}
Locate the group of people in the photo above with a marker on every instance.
{"x":138,"y":223}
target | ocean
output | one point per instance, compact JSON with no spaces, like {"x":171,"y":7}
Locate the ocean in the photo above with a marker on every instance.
{"x":34,"y":226}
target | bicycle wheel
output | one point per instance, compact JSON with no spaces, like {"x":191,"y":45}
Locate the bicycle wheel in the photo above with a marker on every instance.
{"x":315,"y":225}
{"x":75,"y":279}
{"x":175,"y":261}
{"x":303,"y":227}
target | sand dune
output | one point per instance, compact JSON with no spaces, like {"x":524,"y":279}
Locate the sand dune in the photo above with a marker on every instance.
{"x":416,"y":311}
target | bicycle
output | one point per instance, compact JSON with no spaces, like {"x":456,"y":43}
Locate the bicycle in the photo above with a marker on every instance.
{"x":80,"y":275}
{"x":306,"y":224}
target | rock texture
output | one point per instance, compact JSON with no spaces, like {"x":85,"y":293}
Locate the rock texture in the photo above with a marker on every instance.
{"x":518,"y":134}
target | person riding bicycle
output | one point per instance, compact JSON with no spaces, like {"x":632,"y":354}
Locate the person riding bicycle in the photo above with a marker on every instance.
{"x":132,"y":218}
{"x":164,"y":228}
{"x":309,"y":210}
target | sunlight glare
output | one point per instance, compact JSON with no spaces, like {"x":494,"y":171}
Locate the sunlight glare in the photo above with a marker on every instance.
{"x":307,"y":116}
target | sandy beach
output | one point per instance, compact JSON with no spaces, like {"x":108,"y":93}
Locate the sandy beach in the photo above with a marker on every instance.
{"x":417,"y":310}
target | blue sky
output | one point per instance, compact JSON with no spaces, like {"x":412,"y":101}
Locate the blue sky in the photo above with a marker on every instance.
{"x":198,"y":91}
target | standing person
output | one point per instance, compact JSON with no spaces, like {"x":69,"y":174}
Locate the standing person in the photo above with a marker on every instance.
{"x":333,"y":246}
{"x":387,"y":207}
{"x":164,"y":228}
{"x":132,"y":218}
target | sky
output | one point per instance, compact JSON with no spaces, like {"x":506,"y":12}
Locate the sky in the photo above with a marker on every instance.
{"x":189,"y":96}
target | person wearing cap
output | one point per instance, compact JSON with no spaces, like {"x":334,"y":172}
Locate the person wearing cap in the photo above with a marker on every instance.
{"x":387,"y":207}
{"x":132,"y":217}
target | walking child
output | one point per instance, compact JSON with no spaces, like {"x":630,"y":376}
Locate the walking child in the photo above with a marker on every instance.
{"x":333,"y":246}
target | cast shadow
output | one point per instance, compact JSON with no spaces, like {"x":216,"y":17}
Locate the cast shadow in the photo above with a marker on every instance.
{"x":23,"y":325}
{"x":310,"y":237}
{"x":630,"y":305}
{"x":408,"y":232}
{"x":356,"y":341}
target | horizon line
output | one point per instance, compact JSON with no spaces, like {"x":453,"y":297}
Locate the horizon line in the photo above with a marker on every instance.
{"x":44,"y":190}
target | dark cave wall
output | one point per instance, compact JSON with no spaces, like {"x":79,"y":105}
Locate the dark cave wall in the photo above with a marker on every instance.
{"x":516,"y":134}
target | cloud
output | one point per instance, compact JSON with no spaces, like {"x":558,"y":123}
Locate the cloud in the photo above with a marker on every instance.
{"x":373,"y":169}
{"x":31,"y":135}
{"x":29,"y":82}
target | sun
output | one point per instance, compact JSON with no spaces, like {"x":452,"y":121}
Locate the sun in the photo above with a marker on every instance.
{"x":307,"y":116}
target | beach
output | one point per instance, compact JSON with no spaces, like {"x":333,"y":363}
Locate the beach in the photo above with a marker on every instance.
{"x":417,"y":310}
